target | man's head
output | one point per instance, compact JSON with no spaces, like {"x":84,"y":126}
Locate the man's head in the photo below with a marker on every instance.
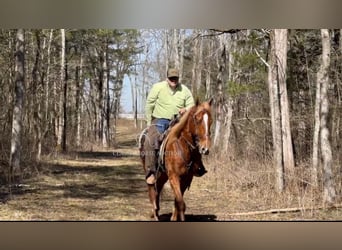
{"x":173,"y":77}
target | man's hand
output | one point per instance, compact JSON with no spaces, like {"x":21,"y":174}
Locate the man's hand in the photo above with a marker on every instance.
{"x":182,"y":111}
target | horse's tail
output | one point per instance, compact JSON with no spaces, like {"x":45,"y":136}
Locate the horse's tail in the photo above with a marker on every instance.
{"x":141,"y":139}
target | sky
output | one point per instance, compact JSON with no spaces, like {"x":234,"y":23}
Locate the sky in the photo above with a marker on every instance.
{"x":126,"y":96}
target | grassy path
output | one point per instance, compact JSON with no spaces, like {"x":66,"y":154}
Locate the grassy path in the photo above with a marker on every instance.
{"x":82,"y":186}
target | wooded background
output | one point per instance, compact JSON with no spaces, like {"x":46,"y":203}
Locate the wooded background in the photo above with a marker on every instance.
{"x":277,"y":94}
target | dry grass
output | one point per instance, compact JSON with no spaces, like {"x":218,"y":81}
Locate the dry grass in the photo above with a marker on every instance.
{"x":236,"y":187}
{"x":109,"y":185}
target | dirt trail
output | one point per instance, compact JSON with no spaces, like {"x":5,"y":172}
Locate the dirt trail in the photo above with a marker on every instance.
{"x":100,"y":185}
{"x":109,"y":185}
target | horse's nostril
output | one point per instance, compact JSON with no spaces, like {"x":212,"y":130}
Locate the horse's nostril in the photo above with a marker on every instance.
{"x":204,"y":151}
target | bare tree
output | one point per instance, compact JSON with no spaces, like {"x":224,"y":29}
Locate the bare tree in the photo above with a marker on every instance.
{"x":229,"y":102}
{"x":79,"y":99}
{"x":208,"y":70}
{"x":38,"y":92}
{"x":315,"y":146}
{"x":61,"y":136}
{"x":329,"y":193}
{"x":134,"y":93}
{"x":221,"y":80}
{"x":181,"y":53}
{"x":197,"y":63}
{"x":15,"y":156}
{"x":280,"y":118}
{"x":106,"y":101}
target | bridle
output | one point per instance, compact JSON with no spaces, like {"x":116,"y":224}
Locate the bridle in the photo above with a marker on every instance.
{"x":195,"y":143}
{"x":195,"y":137}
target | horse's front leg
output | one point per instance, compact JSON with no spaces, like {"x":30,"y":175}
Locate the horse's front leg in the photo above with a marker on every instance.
{"x":179,"y":206}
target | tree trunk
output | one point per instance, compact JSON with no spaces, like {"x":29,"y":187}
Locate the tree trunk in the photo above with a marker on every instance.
{"x":281,"y":54}
{"x":207,"y":66}
{"x":280,"y":117}
{"x":105,"y":94}
{"x":47,"y":84}
{"x":37,"y":88}
{"x":174,"y":49}
{"x":230,"y":101}
{"x":181,"y":53}
{"x":60,"y":131}
{"x":79,"y":102}
{"x":329,"y":193}
{"x":275,"y":114}
{"x":15,"y":157}
{"x":65,"y":93}
{"x":221,"y":80}
{"x":197,"y":64}
{"x":195,"y":54}
{"x":134,"y":94}
{"x":315,"y":146}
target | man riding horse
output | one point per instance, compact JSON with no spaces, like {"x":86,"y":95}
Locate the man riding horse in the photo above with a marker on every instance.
{"x":165,"y":100}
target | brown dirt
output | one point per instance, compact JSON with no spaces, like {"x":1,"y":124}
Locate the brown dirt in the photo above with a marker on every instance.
{"x":109,"y":185}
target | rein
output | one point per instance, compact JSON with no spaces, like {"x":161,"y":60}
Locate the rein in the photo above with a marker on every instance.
{"x":191,"y":146}
{"x":182,"y":155}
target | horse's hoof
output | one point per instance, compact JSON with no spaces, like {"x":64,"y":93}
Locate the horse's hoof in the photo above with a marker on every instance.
{"x":173,"y":218}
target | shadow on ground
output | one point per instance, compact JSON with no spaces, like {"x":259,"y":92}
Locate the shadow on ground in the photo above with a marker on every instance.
{"x":191,"y":217}
{"x":85,"y":182}
{"x":101,"y":155}
{"x":96,"y":182}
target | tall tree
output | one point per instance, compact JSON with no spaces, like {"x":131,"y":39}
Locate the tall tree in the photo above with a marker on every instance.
{"x":79,"y":99}
{"x":329,"y":193}
{"x":38,"y":92}
{"x":196,"y":71}
{"x":61,"y":138}
{"x":221,"y":80}
{"x":15,"y":157}
{"x":280,"y":118}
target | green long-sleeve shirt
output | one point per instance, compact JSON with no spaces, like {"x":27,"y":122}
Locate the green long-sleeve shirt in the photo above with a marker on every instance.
{"x":163,"y":102}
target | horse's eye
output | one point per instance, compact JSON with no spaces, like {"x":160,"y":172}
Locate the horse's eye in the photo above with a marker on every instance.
{"x":198,"y":117}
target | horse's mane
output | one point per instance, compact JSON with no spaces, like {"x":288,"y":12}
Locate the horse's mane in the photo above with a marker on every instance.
{"x":179,"y":126}
{"x":176,"y":130}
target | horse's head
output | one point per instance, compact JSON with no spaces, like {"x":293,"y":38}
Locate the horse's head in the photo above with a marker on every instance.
{"x":202,"y":123}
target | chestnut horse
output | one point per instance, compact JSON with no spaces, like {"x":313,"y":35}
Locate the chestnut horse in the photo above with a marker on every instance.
{"x":181,"y":150}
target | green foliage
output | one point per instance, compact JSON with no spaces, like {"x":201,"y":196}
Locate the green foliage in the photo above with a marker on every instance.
{"x":245,"y":61}
{"x":235,"y":89}
{"x":249,"y":70}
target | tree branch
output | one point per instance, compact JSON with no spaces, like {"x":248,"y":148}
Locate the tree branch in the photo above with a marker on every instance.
{"x":286,"y":210}
{"x":262,"y":59}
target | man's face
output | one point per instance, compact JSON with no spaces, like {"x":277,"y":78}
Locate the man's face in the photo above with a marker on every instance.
{"x":173,"y":82}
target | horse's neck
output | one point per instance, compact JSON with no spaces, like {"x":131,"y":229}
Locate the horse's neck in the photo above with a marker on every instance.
{"x":187,"y":131}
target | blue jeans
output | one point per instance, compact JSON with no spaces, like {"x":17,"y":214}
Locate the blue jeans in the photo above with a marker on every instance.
{"x":162,"y":124}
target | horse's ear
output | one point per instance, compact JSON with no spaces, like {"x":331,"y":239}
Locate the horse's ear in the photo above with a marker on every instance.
{"x":211,"y":100}
{"x":197,"y":102}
